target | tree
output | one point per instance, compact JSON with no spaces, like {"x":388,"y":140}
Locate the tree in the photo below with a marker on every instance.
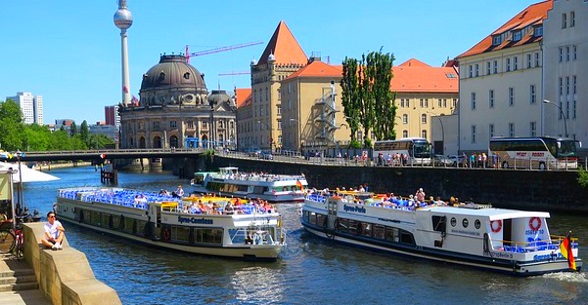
{"x":85,"y":132}
{"x":11,"y":126}
{"x":366,"y":95}
{"x":73,"y":129}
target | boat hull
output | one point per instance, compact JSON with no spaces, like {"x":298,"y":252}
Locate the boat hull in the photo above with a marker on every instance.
{"x":489,"y":263}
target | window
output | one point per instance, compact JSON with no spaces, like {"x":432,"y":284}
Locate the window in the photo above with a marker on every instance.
{"x":515,"y":63}
{"x":473,"y":133}
{"x":575,"y":109}
{"x":560,"y":54}
{"x":572,"y":19}
{"x":422,"y":103}
{"x":574,"y":84}
{"x":470,"y":70}
{"x":574,"y":56}
{"x":508,"y":65}
{"x":517,"y":35}
{"x":279,"y":124}
{"x":491,"y":98}
{"x":173,"y":124}
{"x":560,"y":86}
{"x":402,"y":103}
{"x":491,"y":130}
{"x":473,"y":102}
{"x":511,"y":130}
{"x":533,"y":129}
{"x":439,"y":103}
{"x":405,"y":133}
{"x":537,"y":31}
{"x":495,"y":66}
{"x":156,"y":125}
{"x":528,"y":61}
{"x":423,"y":118}
{"x":405,"y":119}
{"x":496,"y":40}
{"x":537,"y":59}
{"x":564,"y":20}
{"x":567,"y":53}
{"x":511,"y":96}
{"x":533,"y":98}
{"x":561,"y":111}
{"x":567,"y":85}
{"x":477,"y":70}
{"x":488,"y":68}
{"x":426,"y":103}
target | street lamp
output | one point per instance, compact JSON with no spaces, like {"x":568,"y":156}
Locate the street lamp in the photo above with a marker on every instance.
{"x":562,"y":114}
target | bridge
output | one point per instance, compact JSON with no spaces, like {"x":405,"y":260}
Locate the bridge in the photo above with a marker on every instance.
{"x":108,"y":154}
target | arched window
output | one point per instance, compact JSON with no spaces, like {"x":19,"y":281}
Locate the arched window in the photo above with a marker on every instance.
{"x":173,"y":141}
{"x":142,"y":142}
{"x":405,"y":133}
{"x":424,"y":133}
{"x":157,"y":142}
{"x":405,"y":119}
{"x":424,"y":118}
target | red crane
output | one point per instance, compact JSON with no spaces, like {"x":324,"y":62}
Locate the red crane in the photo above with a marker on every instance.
{"x":219,"y":49}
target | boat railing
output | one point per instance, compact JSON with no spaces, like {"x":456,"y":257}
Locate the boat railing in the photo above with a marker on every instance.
{"x":127,"y":198}
{"x":249,"y":177}
{"x":531,"y":245}
{"x":254,"y":236}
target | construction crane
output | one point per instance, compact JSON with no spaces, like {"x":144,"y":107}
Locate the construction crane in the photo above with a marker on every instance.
{"x":219,"y":49}
{"x":234,"y":73}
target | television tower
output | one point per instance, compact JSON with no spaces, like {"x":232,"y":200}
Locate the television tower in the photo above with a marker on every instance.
{"x":123,"y":20}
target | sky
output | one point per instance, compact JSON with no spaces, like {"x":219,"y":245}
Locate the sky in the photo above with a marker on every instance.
{"x":69,"y":51}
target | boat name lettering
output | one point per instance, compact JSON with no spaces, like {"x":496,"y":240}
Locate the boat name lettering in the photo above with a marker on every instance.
{"x":466,"y":232}
{"x":194,"y":220}
{"x":534,"y":232}
{"x":544,"y":257}
{"x":358,"y":209}
{"x":500,"y":254}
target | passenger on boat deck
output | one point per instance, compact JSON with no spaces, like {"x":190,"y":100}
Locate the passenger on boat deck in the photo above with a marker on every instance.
{"x":178,"y":193}
{"x":420,"y":195}
{"x":360,"y":188}
{"x":438,"y":201}
{"x":229,"y":209}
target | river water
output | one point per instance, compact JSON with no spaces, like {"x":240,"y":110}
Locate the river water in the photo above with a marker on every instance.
{"x":312,"y":271}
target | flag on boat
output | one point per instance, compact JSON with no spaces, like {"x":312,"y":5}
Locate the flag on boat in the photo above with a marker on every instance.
{"x":566,"y":250}
{"x":299,"y":184}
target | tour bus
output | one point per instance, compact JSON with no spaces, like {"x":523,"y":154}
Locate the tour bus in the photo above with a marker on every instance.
{"x":535,"y":152}
{"x":418,"y":150}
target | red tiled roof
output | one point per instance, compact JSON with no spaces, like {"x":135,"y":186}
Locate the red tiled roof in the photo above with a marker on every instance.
{"x":284,"y":47}
{"x":242,"y":94}
{"x":532,"y":15}
{"x":416,"y":76}
{"x":318,"y":69}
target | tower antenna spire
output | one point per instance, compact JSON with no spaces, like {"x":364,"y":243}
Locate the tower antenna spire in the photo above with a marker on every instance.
{"x":123,"y":20}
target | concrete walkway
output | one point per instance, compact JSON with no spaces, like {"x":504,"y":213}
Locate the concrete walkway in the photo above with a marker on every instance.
{"x":18,"y":285}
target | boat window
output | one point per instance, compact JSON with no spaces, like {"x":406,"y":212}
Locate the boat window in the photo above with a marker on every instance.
{"x":180,"y":234}
{"x":312,"y":218}
{"x":321,"y":220}
{"x":353,"y":226}
{"x":392,"y":234}
{"x":439,"y":223}
{"x":367,"y":229}
{"x":453,"y":222}
{"x":477,"y":224}
{"x":208,"y":236}
{"x":242,"y":188}
{"x":141,"y":227}
{"x":105,"y":221}
{"x":465,"y":223}
{"x":342,"y":225}
{"x":379,"y":231}
{"x":406,"y":237}
{"x":259,"y":189}
{"x":95,"y":218}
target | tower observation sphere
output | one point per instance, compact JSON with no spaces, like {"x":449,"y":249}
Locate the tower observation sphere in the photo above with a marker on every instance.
{"x":123,"y":18}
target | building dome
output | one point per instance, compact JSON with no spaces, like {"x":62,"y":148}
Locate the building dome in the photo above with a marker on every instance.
{"x":219,"y":96}
{"x":173,"y":81}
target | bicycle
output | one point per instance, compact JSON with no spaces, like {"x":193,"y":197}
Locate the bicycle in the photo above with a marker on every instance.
{"x":12,"y":240}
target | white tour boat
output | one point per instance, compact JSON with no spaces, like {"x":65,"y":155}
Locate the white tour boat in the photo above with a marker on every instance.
{"x":241,"y":230}
{"x":228,"y":181}
{"x":503,"y":240}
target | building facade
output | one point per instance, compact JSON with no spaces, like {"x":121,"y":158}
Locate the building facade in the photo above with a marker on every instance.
{"x":261,"y":120}
{"x":31,"y":107}
{"x":174,"y":110}
{"x":111,"y":116}
{"x":565,"y":69}
{"x":312,"y":114}
{"x":423,"y":94}
{"x":501,"y":82}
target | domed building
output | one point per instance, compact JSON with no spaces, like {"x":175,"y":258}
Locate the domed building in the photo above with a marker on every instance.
{"x":175,"y":110}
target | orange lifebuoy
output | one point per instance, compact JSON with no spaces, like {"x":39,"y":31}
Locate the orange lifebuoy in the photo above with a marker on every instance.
{"x":165,"y":234}
{"x":535,"y":223}
{"x":496,"y":225}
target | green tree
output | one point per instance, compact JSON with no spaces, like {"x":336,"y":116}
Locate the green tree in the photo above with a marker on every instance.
{"x":73,"y":129}
{"x":583,"y":178}
{"x":98,"y":141}
{"x":36,"y":138}
{"x":366,"y":95}
{"x":11,"y":126}
{"x":85,"y":132}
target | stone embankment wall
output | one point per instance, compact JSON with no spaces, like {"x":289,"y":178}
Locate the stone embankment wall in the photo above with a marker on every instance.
{"x":65,"y":276}
{"x":554,"y":191}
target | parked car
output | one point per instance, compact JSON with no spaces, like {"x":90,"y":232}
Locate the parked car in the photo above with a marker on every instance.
{"x":457,"y":160}
{"x":441,"y":160}
{"x":266,"y":155}
{"x":253,"y":152}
